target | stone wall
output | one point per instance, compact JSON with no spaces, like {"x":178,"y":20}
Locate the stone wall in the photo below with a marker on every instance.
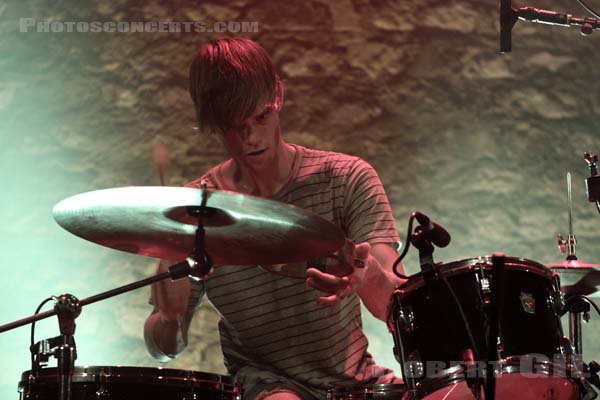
{"x":478,"y":140}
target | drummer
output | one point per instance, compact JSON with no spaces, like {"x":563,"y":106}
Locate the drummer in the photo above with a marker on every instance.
{"x":283,"y":338}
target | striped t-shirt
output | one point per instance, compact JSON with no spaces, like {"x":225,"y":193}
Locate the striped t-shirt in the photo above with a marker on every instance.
{"x":272,"y":331}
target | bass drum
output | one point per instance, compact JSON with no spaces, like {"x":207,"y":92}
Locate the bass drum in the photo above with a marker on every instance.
{"x":129,"y":383}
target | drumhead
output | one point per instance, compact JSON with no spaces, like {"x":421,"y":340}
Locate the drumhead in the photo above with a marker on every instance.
{"x":467,"y":265}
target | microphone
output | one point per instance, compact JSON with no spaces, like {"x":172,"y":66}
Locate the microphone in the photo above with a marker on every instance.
{"x":544,"y":16}
{"x":432,"y":231}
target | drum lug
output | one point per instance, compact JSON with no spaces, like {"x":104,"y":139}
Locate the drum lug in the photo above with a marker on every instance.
{"x":406,"y":318}
{"x":484,"y":283}
{"x":500,"y":348}
{"x":102,"y":393}
{"x":565,"y":347}
{"x":555,"y":300}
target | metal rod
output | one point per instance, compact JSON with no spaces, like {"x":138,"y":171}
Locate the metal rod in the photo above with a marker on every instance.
{"x":570,"y":201}
{"x":571,"y":240}
{"x":575,"y":331}
{"x":86,"y":301}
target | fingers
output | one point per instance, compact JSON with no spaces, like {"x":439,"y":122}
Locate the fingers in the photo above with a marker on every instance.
{"x":362,"y":250}
{"x":334,"y":299}
{"x":337,"y":288}
{"x":328,"y":301}
{"x":336,"y":285}
{"x":324,"y":282}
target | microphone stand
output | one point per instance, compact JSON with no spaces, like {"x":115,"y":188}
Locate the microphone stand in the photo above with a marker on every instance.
{"x":531,"y":14}
{"x":67,"y":307}
{"x":509,"y":17}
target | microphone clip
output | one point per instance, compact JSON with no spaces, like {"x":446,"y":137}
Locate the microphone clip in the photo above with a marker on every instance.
{"x":420,"y":239}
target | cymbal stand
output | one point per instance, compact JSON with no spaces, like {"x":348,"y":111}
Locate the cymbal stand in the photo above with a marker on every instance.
{"x":198,"y":253}
{"x":578,"y":309}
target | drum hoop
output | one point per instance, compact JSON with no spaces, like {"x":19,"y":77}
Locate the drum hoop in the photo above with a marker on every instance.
{"x":446,"y":377}
{"x":117,"y":374}
{"x":374,"y":388}
{"x":467,"y":265}
{"x":508,"y":365}
{"x":547,"y":368}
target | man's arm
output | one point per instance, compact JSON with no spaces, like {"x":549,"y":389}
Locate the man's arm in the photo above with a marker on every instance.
{"x":165,"y":330}
{"x":379,"y":280}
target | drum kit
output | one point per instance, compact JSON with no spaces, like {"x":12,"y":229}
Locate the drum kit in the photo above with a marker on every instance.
{"x":485,"y":327}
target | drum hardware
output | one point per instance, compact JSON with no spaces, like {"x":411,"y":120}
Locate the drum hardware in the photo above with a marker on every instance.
{"x":575,"y":277}
{"x":67,"y":307}
{"x":592,"y":184}
{"x":592,"y":370}
{"x":473,"y":379}
{"x":407,"y":319}
{"x":395,"y":326}
{"x":496,"y":301}
{"x":377,"y":391}
{"x":102,"y":393}
{"x":64,"y":346}
{"x":484,"y":283}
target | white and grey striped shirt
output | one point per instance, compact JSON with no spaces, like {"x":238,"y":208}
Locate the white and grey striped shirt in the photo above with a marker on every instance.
{"x":272,"y":331}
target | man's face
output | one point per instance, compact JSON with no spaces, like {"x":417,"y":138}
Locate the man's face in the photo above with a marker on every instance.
{"x":255,"y":142}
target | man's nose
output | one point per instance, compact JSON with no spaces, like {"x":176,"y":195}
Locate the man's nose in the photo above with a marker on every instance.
{"x":250,"y":133}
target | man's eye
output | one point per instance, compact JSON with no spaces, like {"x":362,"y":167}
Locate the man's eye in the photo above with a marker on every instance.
{"x":262,"y":117}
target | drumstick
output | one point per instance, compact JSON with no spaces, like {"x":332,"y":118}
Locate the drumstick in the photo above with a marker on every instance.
{"x":161,"y":160}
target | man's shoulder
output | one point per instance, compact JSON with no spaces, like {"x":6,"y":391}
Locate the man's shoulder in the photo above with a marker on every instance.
{"x":210,"y":177}
{"x":328,"y":160}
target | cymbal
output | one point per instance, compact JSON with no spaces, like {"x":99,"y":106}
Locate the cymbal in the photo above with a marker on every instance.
{"x":578,"y":277}
{"x":240,"y":229}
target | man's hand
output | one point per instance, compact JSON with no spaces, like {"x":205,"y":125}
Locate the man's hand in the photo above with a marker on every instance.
{"x":344,"y":275}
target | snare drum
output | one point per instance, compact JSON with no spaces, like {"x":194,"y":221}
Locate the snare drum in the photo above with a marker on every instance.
{"x":427,"y":325}
{"x":129,"y":383}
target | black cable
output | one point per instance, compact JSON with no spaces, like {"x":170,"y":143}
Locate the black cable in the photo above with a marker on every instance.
{"x":463,"y":316}
{"x":405,"y":250}
{"x":33,"y":327}
{"x":588,"y":8}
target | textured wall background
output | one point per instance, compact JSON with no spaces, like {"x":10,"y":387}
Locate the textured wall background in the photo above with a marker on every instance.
{"x":479,"y":140}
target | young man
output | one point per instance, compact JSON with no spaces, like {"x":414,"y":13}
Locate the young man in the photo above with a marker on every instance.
{"x":283,"y":338}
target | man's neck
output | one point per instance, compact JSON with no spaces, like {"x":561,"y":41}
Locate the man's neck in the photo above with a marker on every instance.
{"x":268,"y":182}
